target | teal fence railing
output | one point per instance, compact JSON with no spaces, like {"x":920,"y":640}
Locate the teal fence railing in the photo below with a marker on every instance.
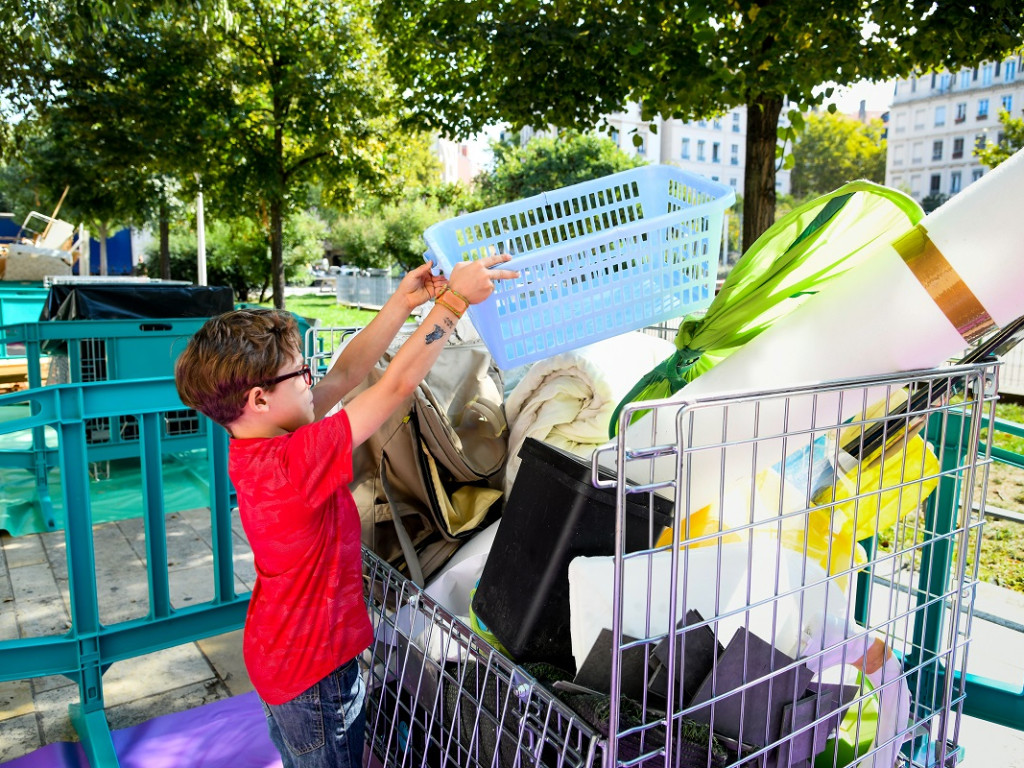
{"x":82,"y":351}
{"x":89,"y":647}
{"x":19,"y":303}
{"x":997,"y":701}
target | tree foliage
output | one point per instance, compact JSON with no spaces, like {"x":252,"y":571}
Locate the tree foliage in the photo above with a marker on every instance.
{"x":272,"y":97}
{"x":389,"y":233}
{"x":1010,"y":141}
{"x":466,"y":63}
{"x":238,"y":253}
{"x":833,"y":149}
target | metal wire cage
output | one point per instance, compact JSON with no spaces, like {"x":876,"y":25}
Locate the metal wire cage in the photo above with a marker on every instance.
{"x":440,"y":696}
{"x":811,"y":603}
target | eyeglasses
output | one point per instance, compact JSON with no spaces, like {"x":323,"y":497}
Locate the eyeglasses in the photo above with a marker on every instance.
{"x":305,"y":372}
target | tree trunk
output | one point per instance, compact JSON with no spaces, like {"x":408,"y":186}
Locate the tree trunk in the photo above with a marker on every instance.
{"x":759,"y":174}
{"x":103,"y":248}
{"x":165,"y":241}
{"x":276,"y":260}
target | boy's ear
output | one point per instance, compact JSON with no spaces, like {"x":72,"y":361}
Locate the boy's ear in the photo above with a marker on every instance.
{"x":255,"y":400}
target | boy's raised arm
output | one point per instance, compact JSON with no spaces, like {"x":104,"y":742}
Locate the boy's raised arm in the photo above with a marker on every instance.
{"x":367,"y":346}
{"x":470,"y":283}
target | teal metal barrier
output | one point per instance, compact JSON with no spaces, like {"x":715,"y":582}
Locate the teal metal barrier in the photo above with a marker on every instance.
{"x":20,"y":303}
{"x":103,"y":350}
{"x":988,"y":699}
{"x":89,"y":647}
{"x":985,"y":698}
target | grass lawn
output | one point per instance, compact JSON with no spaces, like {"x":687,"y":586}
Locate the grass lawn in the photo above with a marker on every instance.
{"x":325,"y":308}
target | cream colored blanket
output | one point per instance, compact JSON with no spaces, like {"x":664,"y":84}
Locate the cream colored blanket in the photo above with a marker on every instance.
{"x":568,"y":400}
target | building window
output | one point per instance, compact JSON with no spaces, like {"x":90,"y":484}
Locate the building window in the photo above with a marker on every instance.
{"x":615,"y":136}
{"x":937,"y":150}
{"x":717,"y":125}
{"x":936,"y":183}
{"x":919,"y":120}
{"x":716,"y":156}
{"x":917,"y":153}
{"x":702,"y":123}
{"x":732,"y":182}
{"x":897,"y":154}
{"x":734,"y":155}
{"x":686,"y":149}
{"x":986,"y":75}
{"x":961,"y":111}
{"x":1010,"y":72}
{"x":1008,"y":102}
{"x":700,"y":149}
{"x":976,"y":174}
{"x":735,"y":122}
{"x":940,"y":116}
{"x":641,"y":148}
{"x":979,"y":141}
{"x":965,"y":78}
{"x":954,"y":182}
{"x":982,"y":109}
{"x":958,"y":148}
{"x":901,"y":119}
{"x":714,"y":178}
{"x":944,"y":82}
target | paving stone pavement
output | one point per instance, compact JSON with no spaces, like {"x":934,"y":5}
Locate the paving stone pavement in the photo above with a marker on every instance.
{"x":34,"y":602}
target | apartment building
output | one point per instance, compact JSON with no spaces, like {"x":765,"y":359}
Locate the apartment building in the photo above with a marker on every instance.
{"x":715,"y":148}
{"x":936,"y":120}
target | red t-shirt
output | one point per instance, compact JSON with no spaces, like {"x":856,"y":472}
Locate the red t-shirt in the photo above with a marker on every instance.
{"x":307,"y":615}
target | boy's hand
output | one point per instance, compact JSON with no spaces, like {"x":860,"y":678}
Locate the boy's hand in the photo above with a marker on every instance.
{"x":475,"y":280}
{"x":419,"y":285}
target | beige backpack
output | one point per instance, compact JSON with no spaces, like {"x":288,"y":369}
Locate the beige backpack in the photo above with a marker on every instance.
{"x":430,"y":477}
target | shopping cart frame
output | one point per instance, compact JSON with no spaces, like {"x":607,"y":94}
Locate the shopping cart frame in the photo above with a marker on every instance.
{"x":946,"y":545}
{"x":438,"y":695}
{"x":937,"y":607}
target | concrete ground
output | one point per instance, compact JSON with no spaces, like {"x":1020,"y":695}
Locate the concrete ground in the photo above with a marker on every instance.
{"x":34,"y":602}
{"x":34,"y":598}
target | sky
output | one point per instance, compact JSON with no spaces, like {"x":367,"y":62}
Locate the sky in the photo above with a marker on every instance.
{"x":877,"y":95}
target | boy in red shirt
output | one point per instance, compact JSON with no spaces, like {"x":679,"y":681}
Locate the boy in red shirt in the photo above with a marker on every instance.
{"x":307,"y":621}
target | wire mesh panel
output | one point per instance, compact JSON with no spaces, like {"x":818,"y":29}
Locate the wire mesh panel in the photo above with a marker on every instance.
{"x":439,"y":696}
{"x":811,"y":602}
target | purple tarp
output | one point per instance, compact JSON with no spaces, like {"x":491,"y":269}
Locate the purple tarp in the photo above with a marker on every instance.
{"x":230,"y":733}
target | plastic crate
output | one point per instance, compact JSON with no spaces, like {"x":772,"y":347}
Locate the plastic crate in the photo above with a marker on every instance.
{"x":596,"y":259}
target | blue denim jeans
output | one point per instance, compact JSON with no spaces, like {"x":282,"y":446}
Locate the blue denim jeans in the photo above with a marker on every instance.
{"x":323,"y":726}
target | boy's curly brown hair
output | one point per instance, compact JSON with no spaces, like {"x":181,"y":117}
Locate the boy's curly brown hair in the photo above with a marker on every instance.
{"x":231,"y":354}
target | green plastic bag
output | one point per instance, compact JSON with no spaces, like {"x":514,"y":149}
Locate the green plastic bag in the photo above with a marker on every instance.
{"x":856,"y":733}
{"x":794,"y":259}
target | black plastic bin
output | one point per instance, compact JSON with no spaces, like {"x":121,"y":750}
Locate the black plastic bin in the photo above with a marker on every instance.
{"x":553,"y":514}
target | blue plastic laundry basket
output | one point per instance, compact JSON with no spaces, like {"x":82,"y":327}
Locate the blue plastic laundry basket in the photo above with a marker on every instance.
{"x":596,"y":259}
